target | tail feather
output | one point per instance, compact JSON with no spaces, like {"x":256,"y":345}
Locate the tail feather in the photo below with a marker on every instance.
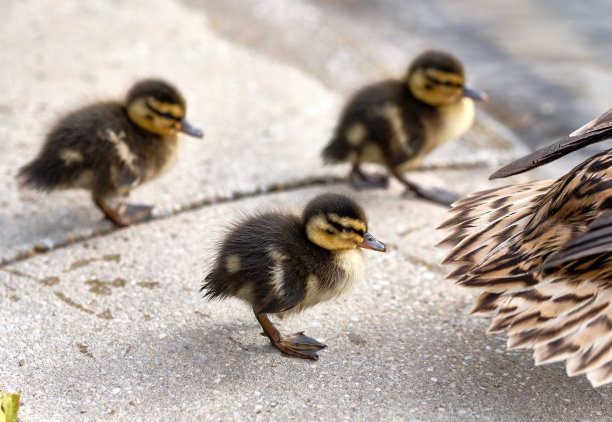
{"x":558,"y":326}
{"x":34,"y":176}
{"x":601,"y":375}
{"x":564,"y":313}
{"x":479,"y":228}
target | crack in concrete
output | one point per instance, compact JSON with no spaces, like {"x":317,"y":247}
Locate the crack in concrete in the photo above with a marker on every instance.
{"x":220,"y":199}
{"x":181,"y":209}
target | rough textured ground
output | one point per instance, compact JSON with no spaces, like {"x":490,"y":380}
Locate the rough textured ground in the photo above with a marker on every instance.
{"x":106,"y":324}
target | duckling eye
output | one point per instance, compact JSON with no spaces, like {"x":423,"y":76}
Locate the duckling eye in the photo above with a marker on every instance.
{"x":168,"y":115}
{"x":447,"y":83}
{"x":348,"y":230}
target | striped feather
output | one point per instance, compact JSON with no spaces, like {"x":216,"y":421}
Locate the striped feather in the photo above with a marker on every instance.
{"x":541,"y":253}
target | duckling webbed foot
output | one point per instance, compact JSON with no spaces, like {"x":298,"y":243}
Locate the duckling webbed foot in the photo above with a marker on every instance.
{"x":437,"y":195}
{"x":125,"y":214}
{"x":298,"y":344}
{"x":361,"y":180}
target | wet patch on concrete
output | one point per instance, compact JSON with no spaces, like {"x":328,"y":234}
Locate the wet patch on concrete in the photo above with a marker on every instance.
{"x":83,"y":348}
{"x":83,"y":262}
{"x":112,"y":257}
{"x":72,"y":303}
{"x":148,"y":284}
{"x":104,"y":288}
{"x":237,"y":343}
{"x":106,"y":314}
{"x":15,"y":272}
{"x":202,"y":314}
{"x":49,"y":281}
{"x":357,"y":339}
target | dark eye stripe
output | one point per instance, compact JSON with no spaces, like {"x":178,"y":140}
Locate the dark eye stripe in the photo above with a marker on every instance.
{"x":337,"y":226}
{"x":342,"y":228}
{"x":439,"y":82}
{"x":167,"y":115}
{"x":353,"y":230}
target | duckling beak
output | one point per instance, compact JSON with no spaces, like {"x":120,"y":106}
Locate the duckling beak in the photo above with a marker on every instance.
{"x":370,"y":242}
{"x":475,"y":94}
{"x":190,"y":130}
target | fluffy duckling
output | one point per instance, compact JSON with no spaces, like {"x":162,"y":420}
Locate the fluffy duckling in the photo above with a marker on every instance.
{"x":282,"y":263}
{"x":111,"y":147}
{"x":397,"y":122}
{"x":541,"y":253}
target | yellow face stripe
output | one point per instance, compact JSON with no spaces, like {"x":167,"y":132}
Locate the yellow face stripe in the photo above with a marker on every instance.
{"x":174,"y":109}
{"x":444,"y":77}
{"x":348,"y":222}
{"x":324,"y":234}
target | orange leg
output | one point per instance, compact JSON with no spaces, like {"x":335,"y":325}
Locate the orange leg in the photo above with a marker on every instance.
{"x":296,"y":344}
{"x":124,"y":214}
{"x":440,"y":196}
{"x":361,"y":180}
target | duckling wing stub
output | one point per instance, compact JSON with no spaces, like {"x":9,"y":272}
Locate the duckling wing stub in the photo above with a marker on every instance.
{"x":283,"y":293}
{"x":379,"y":125}
{"x":597,"y":239}
{"x":131,"y":176}
{"x":595,"y":131}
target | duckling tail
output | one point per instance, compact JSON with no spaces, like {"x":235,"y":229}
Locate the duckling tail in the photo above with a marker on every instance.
{"x":211,"y":288}
{"x":336,"y":151}
{"x":38,"y":175}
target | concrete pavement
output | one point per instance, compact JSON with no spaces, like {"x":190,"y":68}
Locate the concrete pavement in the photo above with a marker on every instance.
{"x":107,"y":324}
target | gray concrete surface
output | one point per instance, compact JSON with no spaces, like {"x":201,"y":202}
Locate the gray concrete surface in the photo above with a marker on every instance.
{"x":543,"y":61}
{"x":106,"y":324}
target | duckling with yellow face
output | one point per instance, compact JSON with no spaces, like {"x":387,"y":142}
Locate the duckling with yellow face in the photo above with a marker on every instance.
{"x":283,"y":263}
{"x":396,"y":123}
{"x":111,"y":147}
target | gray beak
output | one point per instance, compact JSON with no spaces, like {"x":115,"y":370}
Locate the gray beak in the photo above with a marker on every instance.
{"x":190,"y":130}
{"x":370,"y":242}
{"x":475,"y":94}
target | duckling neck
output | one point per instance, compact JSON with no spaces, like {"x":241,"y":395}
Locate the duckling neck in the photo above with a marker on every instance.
{"x":164,"y":155}
{"x":451,"y":122}
{"x":347,"y":269}
{"x":160,"y":152}
{"x":353,"y":263}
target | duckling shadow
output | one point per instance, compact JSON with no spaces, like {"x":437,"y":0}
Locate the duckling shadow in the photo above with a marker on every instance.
{"x":197,"y":359}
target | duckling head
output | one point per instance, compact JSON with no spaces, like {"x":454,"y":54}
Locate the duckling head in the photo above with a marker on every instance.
{"x":159,"y":107}
{"x":335,"y":222}
{"x":437,"y":78}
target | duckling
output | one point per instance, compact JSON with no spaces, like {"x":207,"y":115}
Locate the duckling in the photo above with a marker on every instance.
{"x":111,"y":147}
{"x":397,"y":122}
{"x":541,"y":253}
{"x":281,"y":263}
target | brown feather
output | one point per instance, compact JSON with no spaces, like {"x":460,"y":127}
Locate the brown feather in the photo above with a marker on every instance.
{"x":541,"y":253}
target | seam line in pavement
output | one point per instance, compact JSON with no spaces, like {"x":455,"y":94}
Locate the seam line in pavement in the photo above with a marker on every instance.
{"x":195,"y":205}
{"x":220,"y":199}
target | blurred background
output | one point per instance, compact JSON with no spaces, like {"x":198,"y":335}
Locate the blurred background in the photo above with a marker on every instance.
{"x":546,"y":64}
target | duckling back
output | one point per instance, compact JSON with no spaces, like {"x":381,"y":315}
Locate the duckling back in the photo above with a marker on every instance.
{"x":397,"y":122}
{"x":383,"y":124}
{"x":97,"y":148}
{"x":268,"y":261}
